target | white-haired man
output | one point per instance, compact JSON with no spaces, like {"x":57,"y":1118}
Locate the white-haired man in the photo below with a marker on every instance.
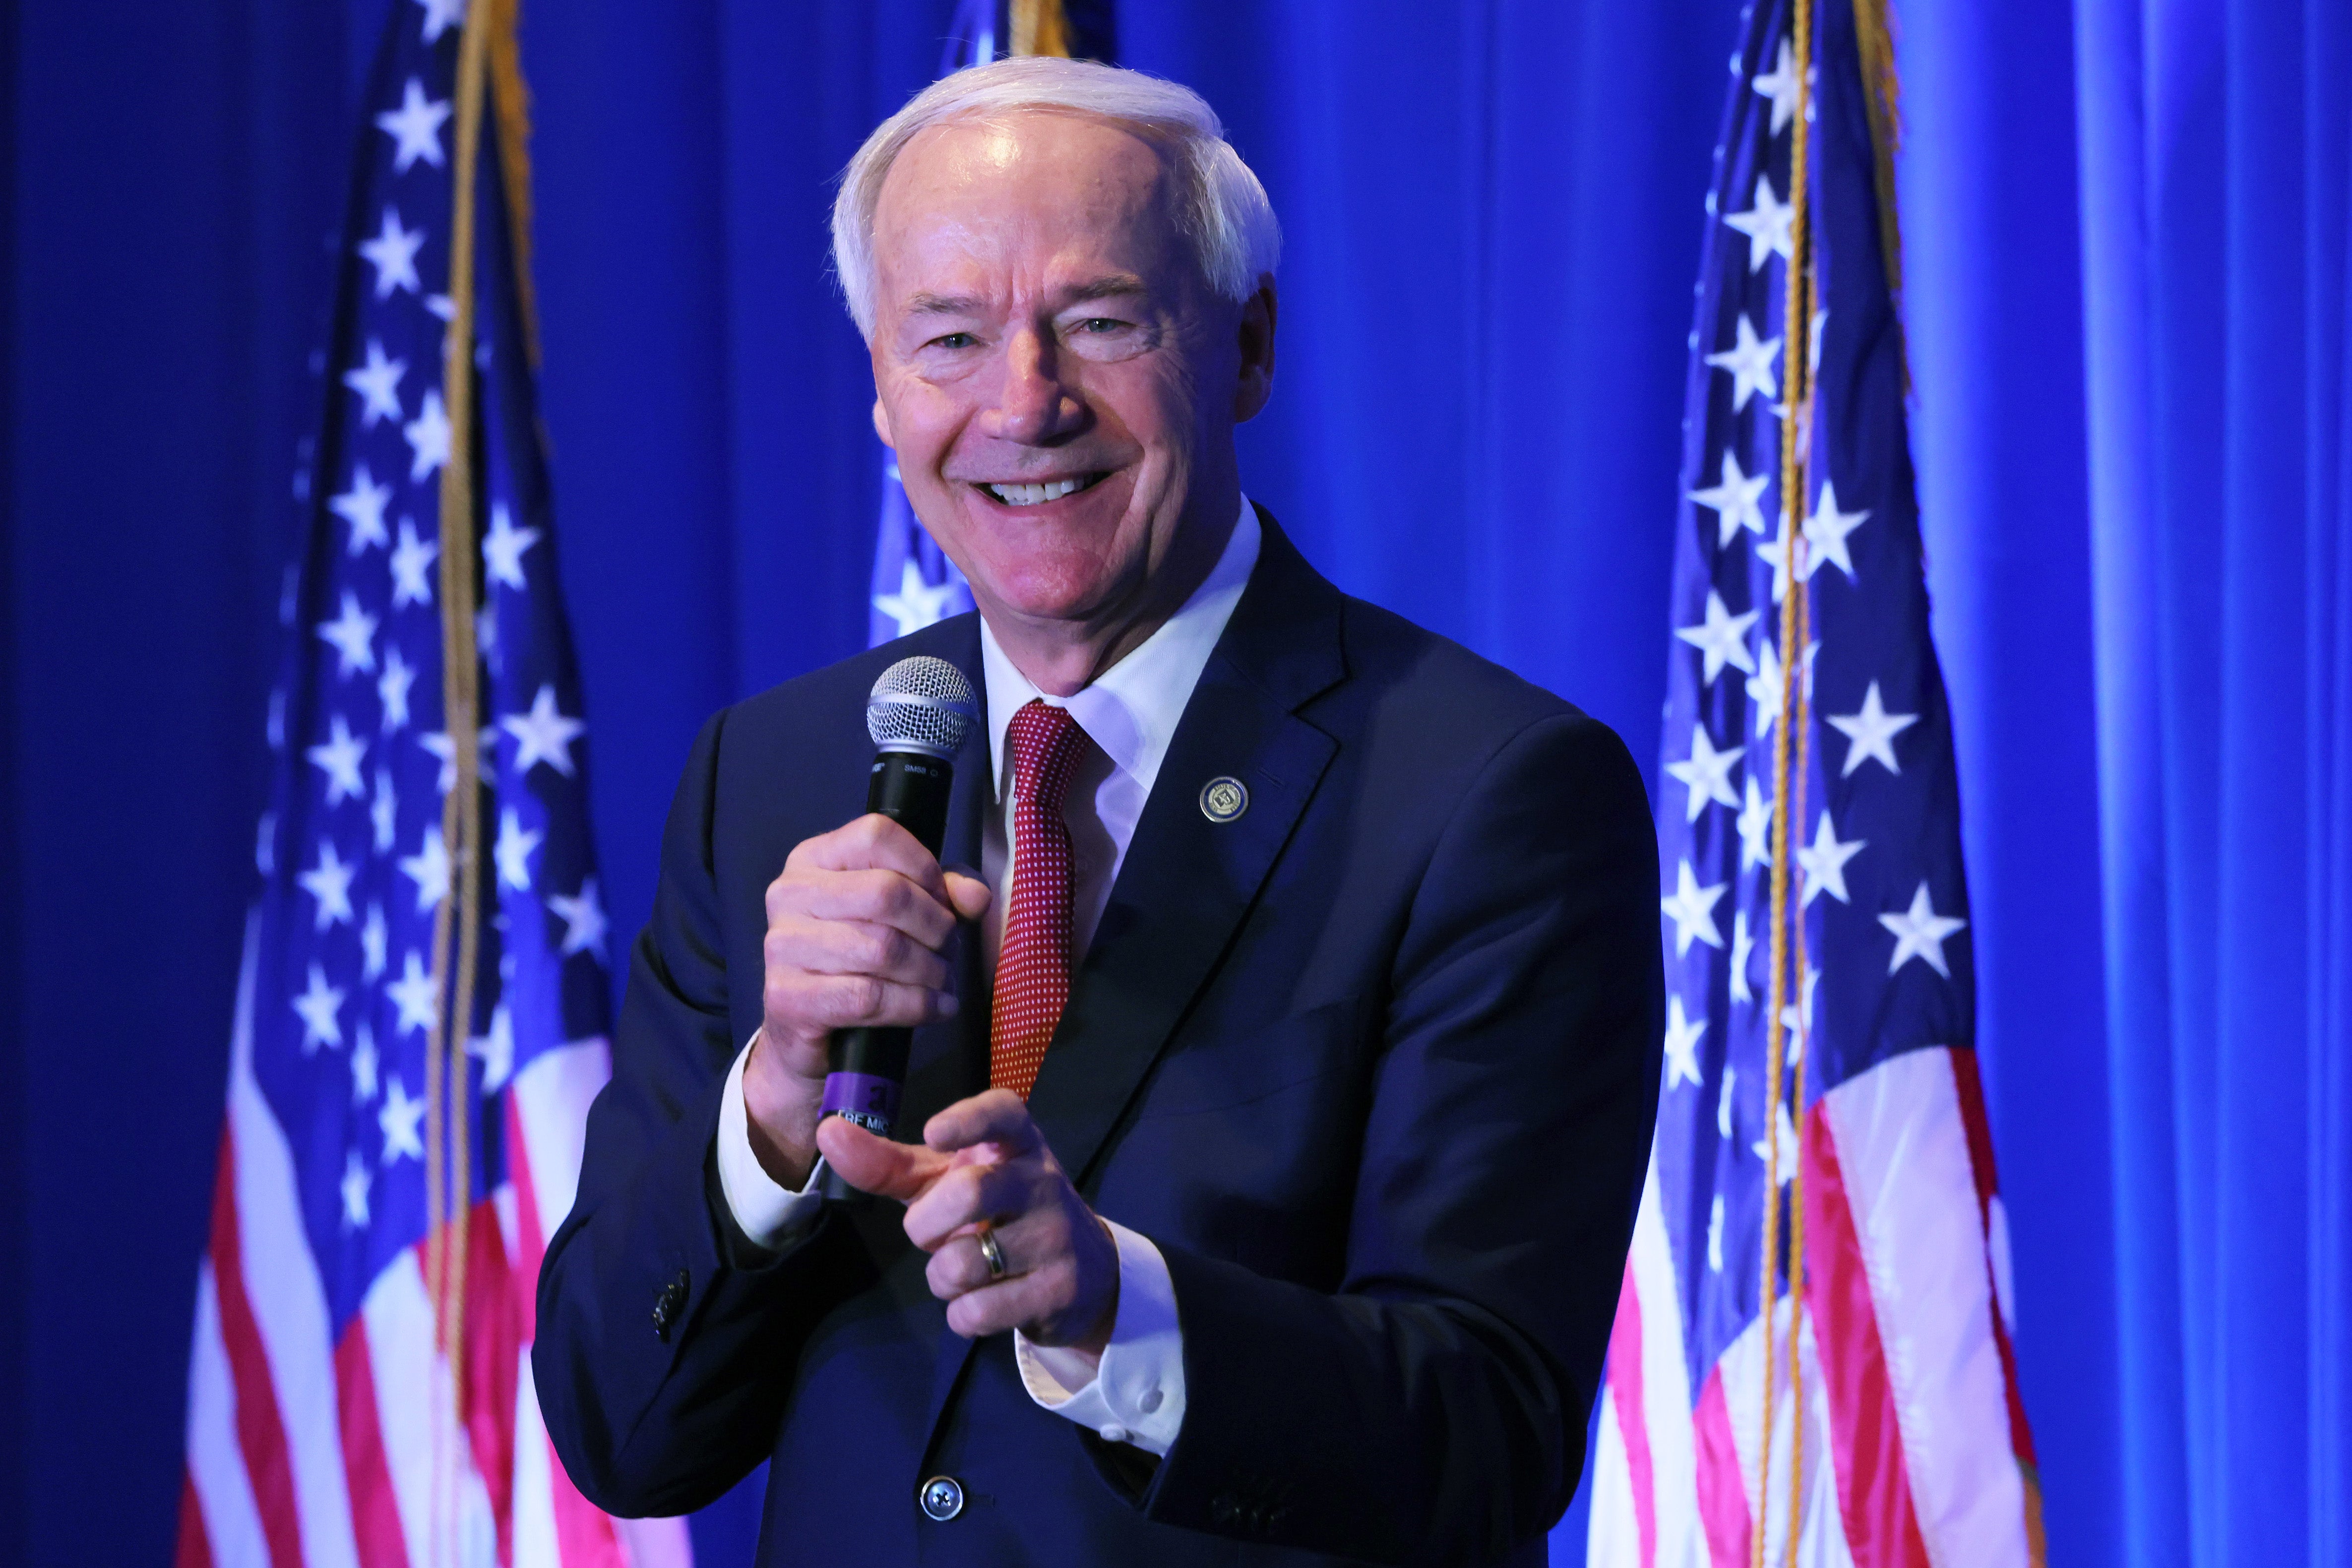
{"x":1283,"y":1073}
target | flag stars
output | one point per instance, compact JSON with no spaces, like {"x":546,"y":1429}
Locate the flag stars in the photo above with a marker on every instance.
{"x":1755,"y":822}
{"x":1871,"y":733}
{"x":496,"y":1050}
{"x":1735,"y":497}
{"x":411,"y":559}
{"x":428,"y":438}
{"x":1723,"y":1102}
{"x":1768,"y":224}
{"x":372,"y":936}
{"x":361,"y":505}
{"x":414,"y":128}
{"x":383,"y":811}
{"x":393,"y":254}
{"x":917,"y":604}
{"x":363,"y":1066}
{"x":543,"y":734}
{"x":1683,"y":1033}
{"x":440,"y":16}
{"x":502,"y":547}
{"x":398,"y":1121}
{"x":1781,"y":1152}
{"x":1749,"y":360}
{"x":1705,"y":774}
{"x":338,"y":758}
{"x":1823,"y":862}
{"x":352,"y":634}
{"x":318,"y":1006}
{"x":1691,"y":909}
{"x":329,"y":883}
{"x":378,"y":384}
{"x":439,"y":743}
{"x":1920,"y":933}
{"x":429,"y":870}
{"x":355,"y":1188}
{"x":1826,"y":532}
{"x":1779,"y":85}
{"x":412,"y":994}
{"x":513,"y":851}
{"x":391,"y":689}
{"x":583,"y":914}
{"x":1721,"y":638}
{"x":1742,"y":946}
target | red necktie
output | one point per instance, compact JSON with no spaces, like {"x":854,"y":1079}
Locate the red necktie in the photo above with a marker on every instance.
{"x":1033,"y":963}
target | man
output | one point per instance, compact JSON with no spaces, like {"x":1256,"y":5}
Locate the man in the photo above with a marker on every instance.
{"x":1283,"y":1078}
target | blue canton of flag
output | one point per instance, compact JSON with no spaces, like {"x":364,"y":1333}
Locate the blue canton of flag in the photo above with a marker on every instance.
{"x":324,"y":1417}
{"x":1857,"y":1192}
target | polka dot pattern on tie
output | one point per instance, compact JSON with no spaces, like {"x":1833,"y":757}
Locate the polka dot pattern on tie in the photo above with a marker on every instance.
{"x":1033,"y":963}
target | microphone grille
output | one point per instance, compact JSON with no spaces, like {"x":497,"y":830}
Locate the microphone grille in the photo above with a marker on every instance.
{"x":921,"y":704}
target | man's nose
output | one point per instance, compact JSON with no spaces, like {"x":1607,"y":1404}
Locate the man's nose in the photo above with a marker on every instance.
{"x":1036,"y":404}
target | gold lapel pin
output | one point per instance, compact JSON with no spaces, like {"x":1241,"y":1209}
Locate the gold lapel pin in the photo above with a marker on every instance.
{"x":1224,"y":798}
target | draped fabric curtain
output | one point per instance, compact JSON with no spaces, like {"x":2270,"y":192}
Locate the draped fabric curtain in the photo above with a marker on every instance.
{"x":2217,"y":169}
{"x":2126,"y":230}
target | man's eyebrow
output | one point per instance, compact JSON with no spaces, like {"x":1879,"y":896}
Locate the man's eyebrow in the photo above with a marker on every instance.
{"x":944,"y":305}
{"x":1110,"y":286}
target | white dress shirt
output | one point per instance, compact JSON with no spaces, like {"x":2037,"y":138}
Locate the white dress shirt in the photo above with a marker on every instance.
{"x":1130,"y":711}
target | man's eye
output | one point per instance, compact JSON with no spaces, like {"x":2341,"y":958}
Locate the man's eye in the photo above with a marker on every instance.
{"x":955,"y":340}
{"x":1100,"y":324}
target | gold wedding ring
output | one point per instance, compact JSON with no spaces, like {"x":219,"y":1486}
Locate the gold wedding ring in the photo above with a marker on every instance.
{"x":993,"y":1252}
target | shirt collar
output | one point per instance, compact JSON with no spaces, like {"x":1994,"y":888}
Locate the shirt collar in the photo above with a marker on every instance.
{"x":1131,"y":708}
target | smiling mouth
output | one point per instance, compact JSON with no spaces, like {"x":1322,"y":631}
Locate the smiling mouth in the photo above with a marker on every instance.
{"x":1039,"y":494}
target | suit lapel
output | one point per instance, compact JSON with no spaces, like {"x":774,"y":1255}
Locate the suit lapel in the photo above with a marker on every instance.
{"x":1188,"y":880}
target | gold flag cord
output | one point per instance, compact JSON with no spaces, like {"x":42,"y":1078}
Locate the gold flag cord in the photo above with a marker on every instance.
{"x":457,"y":922}
{"x":1039,"y":27}
{"x":1787,"y":790}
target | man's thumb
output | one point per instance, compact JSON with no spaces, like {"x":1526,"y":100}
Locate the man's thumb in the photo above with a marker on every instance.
{"x":873,"y":1165}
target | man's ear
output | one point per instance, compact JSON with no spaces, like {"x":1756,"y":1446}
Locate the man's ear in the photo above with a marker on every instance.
{"x":1256,"y":332}
{"x":882,"y":423}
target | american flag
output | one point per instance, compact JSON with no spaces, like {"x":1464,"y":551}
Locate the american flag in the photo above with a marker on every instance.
{"x":1871,"y":1416}
{"x":357,"y":1395}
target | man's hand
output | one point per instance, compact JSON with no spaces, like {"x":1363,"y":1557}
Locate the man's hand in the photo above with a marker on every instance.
{"x":984,"y":1162}
{"x":856,"y":923}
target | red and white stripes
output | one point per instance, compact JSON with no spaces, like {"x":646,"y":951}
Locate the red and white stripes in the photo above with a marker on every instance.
{"x":1909,"y":1377}
{"x":304,"y":1453}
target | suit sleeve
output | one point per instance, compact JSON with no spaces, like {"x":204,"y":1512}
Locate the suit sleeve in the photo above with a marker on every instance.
{"x":1433,"y":1409}
{"x":665,"y":1337}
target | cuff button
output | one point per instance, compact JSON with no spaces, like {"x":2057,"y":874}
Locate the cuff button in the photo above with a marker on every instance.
{"x":1152,"y":1401}
{"x":1115,"y":1433}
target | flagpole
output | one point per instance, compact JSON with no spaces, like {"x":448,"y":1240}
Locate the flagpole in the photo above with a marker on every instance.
{"x":1796,"y":319}
{"x":458,"y":914}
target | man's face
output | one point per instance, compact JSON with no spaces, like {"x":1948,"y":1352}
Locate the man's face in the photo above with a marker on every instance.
{"x":1058,"y":381}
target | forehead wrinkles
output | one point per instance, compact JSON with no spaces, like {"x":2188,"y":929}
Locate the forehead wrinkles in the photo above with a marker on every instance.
{"x":985,"y":186}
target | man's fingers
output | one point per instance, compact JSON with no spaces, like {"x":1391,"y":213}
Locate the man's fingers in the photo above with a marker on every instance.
{"x":873,"y":842}
{"x":968,"y":1194}
{"x":877,"y":1165}
{"x":996,"y":1116}
{"x":881,"y":896}
{"x":1009,"y":1304}
{"x":853,"y":947}
{"x":819,"y":1002}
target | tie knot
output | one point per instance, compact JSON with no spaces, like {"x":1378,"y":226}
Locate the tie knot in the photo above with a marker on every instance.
{"x":1045,"y":745}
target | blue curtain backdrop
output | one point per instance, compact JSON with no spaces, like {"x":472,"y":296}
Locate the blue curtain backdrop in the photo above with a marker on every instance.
{"x":2126,"y":230}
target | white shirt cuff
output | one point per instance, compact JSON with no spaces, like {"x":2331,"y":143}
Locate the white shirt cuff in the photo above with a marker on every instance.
{"x":771,"y":1216}
{"x":1136,"y":1394}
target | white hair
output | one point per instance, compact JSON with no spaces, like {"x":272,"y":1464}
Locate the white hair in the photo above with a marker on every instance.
{"x":1220,"y":207}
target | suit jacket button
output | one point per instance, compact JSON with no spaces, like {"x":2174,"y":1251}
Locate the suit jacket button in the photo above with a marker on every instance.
{"x":668,"y":1304}
{"x":1225,"y":1509}
{"x":942,"y":1497}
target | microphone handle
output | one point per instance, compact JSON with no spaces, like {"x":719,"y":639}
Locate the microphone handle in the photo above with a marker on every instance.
{"x":866,"y":1066}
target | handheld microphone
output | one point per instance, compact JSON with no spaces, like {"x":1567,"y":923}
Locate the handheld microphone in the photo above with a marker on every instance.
{"x":918,"y":714}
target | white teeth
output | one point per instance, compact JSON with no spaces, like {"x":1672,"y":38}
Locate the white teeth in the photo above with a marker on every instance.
{"x":1035,"y":495}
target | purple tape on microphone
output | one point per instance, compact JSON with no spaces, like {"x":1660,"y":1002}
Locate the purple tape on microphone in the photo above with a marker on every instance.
{"x":869,"y":1101}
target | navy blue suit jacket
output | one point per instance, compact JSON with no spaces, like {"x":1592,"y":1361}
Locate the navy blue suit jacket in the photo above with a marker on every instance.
{"x":1374,"y":1065}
